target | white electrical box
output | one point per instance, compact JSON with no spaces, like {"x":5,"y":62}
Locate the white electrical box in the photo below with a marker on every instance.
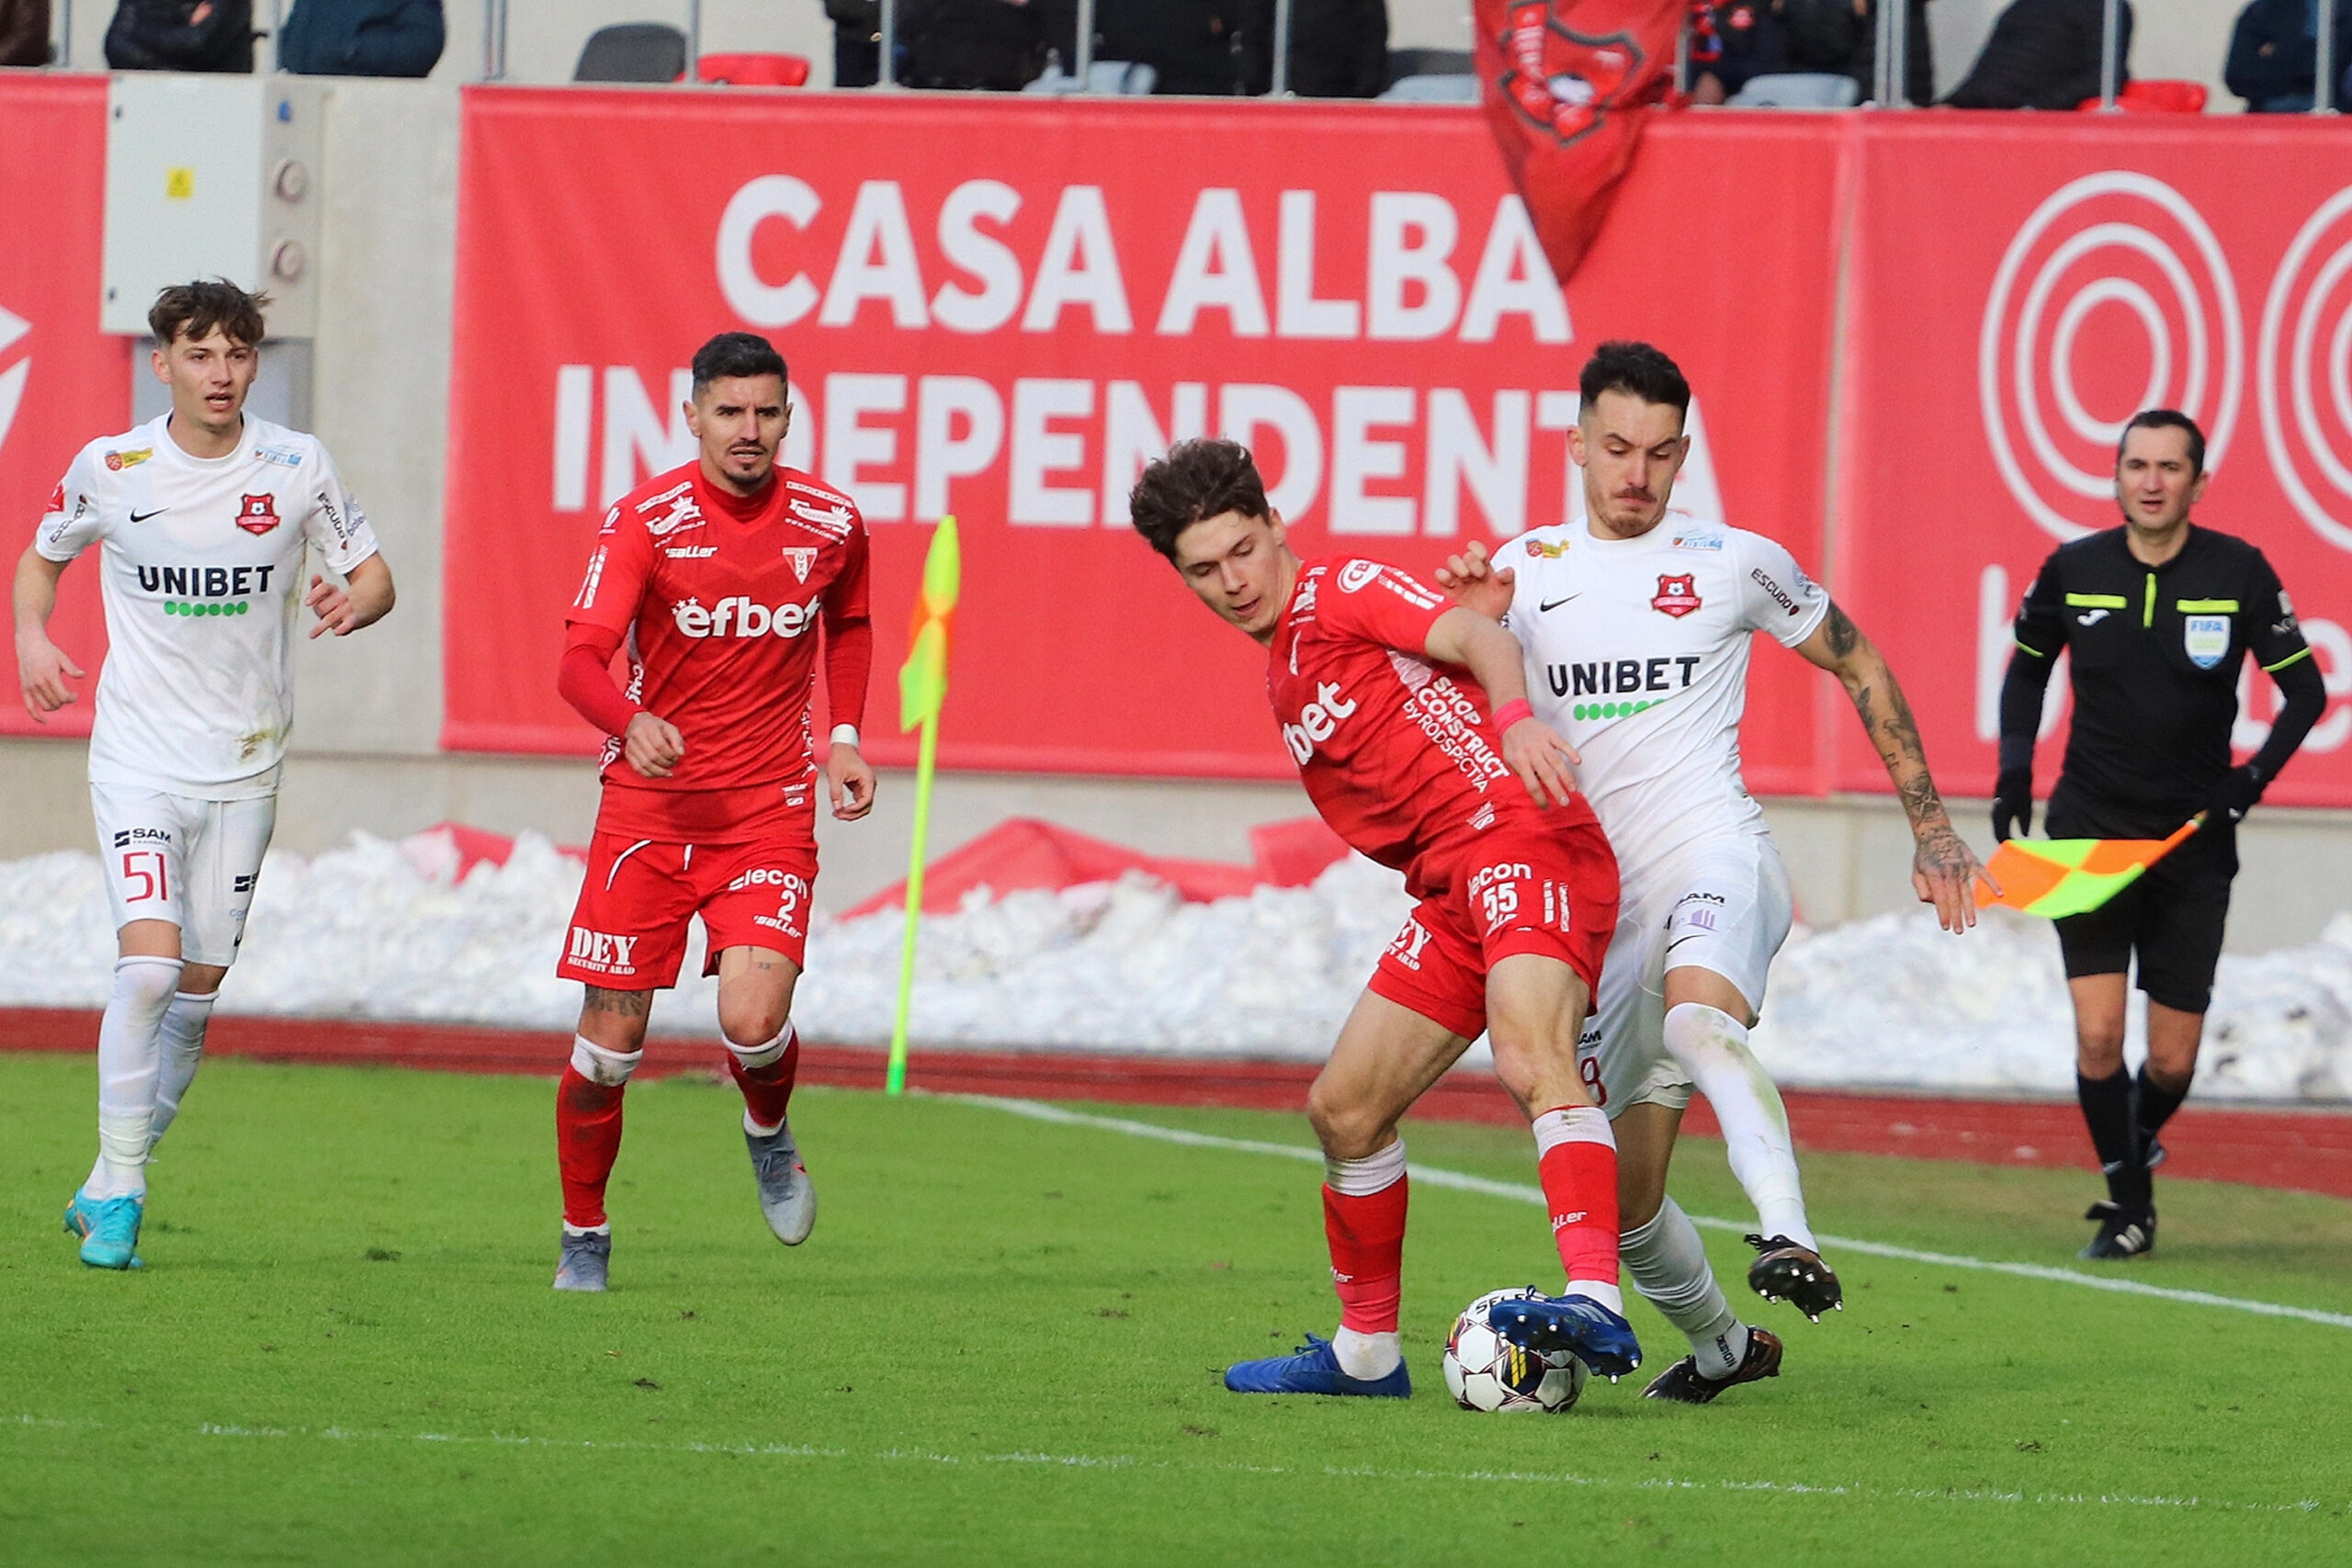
{"x":212,"y":176}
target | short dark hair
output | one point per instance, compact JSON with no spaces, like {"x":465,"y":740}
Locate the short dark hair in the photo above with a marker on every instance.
{"x":731,"y":354}
{"x":194,"y":311}
{"x":2165,"y":419}
{"x":1638,"y":370}
{"x":1198,"y":479}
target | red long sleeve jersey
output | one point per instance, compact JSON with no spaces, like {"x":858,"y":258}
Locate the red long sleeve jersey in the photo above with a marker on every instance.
{"x":719,"y":599}
{"x":1400,"y":756}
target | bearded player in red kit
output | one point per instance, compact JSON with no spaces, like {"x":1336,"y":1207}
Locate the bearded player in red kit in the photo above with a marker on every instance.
{"x":718,"y":576}
{"x":1382,"y":691}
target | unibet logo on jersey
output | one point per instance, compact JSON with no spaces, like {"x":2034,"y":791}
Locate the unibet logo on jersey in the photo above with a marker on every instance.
{"x":741,"y":617}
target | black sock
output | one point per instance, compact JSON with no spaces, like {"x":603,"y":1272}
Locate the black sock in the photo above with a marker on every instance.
{"x":2156,"y":1104}
{"x":2106,"y":1111}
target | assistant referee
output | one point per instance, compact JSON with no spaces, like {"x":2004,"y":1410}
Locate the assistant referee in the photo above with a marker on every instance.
{"x":2158,"y":617}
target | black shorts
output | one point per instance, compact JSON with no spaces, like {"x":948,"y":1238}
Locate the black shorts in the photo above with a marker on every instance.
{"x":2172,"y":917}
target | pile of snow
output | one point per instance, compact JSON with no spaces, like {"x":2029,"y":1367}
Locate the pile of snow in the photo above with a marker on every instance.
{"x":390,"y":930}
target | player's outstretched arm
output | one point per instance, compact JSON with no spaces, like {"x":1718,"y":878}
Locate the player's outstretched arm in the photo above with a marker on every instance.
{"x":42,"y":668}
{"x":343,"y":611}
{"x":1944,"y":871}
{"x":1476,"y":582}
{"x":1532,"y":749}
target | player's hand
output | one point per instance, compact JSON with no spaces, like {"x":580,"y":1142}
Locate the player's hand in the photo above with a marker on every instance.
{"x":852,"y":779}
{"x":43,"y":669}
{"x":1535,"y":752}
{"x":652,"y":745}
{"x":333,"y":606}
{"x":1945,"y":872}
{"x":1476,"y":583}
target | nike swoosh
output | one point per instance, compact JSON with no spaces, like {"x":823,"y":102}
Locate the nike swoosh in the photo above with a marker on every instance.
{"x":1557,"y":602}
{"x":142,"y":516}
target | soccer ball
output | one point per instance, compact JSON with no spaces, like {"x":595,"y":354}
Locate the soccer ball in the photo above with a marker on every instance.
{"x":1486,"y":1372}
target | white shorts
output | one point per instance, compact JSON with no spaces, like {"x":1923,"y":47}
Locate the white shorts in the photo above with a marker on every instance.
{"x":1721,"y":904}
{"x":193,"y":862}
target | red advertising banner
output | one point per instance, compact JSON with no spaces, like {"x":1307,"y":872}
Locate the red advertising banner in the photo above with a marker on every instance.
{"x":2017,"y":293}
{"x":62,"y":382}
{"x":1002,"y":308}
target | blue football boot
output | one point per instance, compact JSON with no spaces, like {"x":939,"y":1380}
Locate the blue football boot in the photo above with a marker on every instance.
{"x":1314,"y":1367}
{"x":1602,"y":1339}
{"x":108,"y":1228}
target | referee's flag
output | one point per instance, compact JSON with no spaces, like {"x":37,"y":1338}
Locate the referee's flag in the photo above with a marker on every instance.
{"x":922,"y":679}
{"x":2072,"y":876}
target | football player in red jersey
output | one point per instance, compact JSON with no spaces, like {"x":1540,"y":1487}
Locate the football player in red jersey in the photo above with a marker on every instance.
{"x":1382,"y":694}
{"x":718,"y":576}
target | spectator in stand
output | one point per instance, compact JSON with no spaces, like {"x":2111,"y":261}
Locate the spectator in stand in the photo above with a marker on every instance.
{"x":1338,"y":49}
{"x":24,"y":32}
{"x":2044,"y":54}
{"x":182,"y":35}
{"x":362,"y":38}
{"x":2274,"y":54}
{"x":857,"y":41}
{"x":1206,"y":48}
{"x":1746,"y":39}
{"x":988,"y":45}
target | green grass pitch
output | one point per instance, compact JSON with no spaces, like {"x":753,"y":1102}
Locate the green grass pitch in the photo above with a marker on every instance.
{"x":1002,"y":1345}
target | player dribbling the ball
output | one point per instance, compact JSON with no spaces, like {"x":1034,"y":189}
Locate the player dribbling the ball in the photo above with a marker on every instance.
{"x":1383,"y":694}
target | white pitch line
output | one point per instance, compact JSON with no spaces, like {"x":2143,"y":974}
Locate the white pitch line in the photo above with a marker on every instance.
{"x":1462,"y":1182}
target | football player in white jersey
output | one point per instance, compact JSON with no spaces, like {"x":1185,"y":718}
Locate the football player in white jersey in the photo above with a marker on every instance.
{"x":1636,"y":626}
{"x":202,"y":517}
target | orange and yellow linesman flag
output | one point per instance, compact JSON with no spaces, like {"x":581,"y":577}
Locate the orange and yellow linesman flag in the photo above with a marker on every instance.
{"x":923,"y":689}
{"x":2072,"y":876}
{"x":922,"y":679}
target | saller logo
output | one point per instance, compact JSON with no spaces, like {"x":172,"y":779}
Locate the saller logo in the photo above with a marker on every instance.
{"x":1677,"y":596}
{"x":741,"y":617}
{"x":259,"y":515}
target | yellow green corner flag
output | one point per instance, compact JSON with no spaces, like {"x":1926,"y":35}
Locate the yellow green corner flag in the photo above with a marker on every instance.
{"x":922,"y":680}
{"x":2055,"y":877}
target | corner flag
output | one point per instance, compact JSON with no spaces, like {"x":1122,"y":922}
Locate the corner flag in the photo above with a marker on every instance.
{"x":923,"y":691}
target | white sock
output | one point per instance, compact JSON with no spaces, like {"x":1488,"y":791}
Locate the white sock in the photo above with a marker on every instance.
{"x":181,"y":1043}
{"x":1669,"y":1265}
{"x":128,"y":1060}
{"x":1712,"y":1046}
{"x":1366,"y":1356}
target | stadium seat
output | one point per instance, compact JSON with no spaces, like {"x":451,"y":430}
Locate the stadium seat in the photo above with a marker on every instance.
{"x":2158,"y":96}
{"x":1407,"y":62}
{"x":1798,"y":90}
{"x":1432,"y":90}
{"x":633,"y":52}
{"x":753,"y":70}
{"x":1105,"y":79}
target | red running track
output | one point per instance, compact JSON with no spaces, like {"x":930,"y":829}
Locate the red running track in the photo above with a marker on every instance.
{"x":2302,"y":1150}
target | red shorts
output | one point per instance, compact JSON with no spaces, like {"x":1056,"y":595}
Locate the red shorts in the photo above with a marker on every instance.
{"x":628,"y":931}
{"x":1533,"y":888}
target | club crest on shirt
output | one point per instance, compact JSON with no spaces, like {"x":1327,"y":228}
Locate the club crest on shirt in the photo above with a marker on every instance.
{"x":1677,"y":596}
{"x":258,"y":514}
{"x":117,"y":461}
{"x":2206,"y":638}
{"x":802,"y":558}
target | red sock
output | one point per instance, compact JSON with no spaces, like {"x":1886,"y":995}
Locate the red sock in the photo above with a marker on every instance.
{"x":587,"y":1140}
{"x":767,"y":1092}
{"x":1367,"y":1238}
{"x":1578,"y":1169}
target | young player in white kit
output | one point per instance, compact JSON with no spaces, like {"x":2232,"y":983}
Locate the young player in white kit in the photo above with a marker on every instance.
{"x":1637,"y":624}
{"x":203,"y":516}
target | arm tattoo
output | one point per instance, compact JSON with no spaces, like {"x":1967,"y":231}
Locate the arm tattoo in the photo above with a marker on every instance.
{"x":1838,"y":630}
{"x":1893,"y":729}
{"x":627,"y":1004}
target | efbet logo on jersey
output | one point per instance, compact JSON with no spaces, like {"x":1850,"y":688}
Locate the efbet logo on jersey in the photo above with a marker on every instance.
{"x":1677,"y":596}
{"x":259,"y":513}
{"x":1316,"y":721}
{"x":741,"y":617}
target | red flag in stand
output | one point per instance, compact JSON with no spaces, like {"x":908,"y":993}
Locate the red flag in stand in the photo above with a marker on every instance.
{"x":1567,"y":86}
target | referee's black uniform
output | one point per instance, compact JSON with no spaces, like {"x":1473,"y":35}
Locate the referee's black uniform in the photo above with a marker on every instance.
{"x":2155,"y":654}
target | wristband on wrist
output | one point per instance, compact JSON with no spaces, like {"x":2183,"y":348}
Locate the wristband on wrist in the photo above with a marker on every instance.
{"x":845,"y":735}
{"x":1510,"y":713}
